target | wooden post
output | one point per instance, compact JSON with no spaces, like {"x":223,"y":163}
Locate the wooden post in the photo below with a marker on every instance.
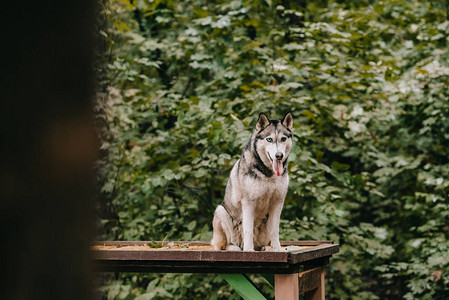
{"x":286,"y":286}
{"x":309,"y":283}
{"x":318,"y":292}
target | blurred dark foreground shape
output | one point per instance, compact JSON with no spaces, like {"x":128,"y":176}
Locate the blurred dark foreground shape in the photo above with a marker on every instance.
{"x":47,"y":149}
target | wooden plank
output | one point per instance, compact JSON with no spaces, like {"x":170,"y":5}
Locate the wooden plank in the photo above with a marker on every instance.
{"x":286,"y":287}
{"x":190,"y":255}
{"x":312,"y":253}
{"x":144,"y":243}
{"x":208,"y":261}
{"x":317,"y":294}
{"x":310,"y":280}
{"x":195,"y":267}
{"x":243,"y":286}
{"x":304,"y":243}
{"x":201,"y":243}
{"x":305,"y":254}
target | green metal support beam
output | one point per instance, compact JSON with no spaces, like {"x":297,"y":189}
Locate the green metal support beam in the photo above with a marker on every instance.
{"x":243,"y":286}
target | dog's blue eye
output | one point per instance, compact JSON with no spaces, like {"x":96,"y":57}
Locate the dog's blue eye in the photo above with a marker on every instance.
{"x":269,"y":140}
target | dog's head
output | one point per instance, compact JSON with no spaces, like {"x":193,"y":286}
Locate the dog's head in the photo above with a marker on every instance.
{"x":274,"y":140}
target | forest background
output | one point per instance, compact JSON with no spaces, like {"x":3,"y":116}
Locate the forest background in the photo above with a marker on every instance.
{"x":180,"y":86}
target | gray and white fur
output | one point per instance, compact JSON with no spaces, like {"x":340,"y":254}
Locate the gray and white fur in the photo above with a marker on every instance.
{"x":249,"y":216}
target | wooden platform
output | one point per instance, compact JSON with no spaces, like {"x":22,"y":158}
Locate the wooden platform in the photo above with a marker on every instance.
{"x":298,"y":270}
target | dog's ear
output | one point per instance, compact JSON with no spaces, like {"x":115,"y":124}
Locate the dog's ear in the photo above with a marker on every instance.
{"x":262,"y":122}
{"x":287,"y":121}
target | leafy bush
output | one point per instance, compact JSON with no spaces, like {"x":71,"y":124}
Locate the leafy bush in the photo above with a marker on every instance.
{"x":182,"y":83}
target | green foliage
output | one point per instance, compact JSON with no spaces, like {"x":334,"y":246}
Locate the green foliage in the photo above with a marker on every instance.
{"x":182,"y":83}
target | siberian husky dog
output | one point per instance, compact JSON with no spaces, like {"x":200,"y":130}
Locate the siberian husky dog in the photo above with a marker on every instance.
{"x":248,"y":218}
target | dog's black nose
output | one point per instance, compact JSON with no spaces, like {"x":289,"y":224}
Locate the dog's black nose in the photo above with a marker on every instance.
{"x":279,"y":156}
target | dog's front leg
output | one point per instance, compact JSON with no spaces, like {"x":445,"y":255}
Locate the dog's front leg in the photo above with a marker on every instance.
{"x":248,"y":226}
{"x":273,"y":225}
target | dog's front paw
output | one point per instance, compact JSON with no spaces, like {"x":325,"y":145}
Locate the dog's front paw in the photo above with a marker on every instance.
{"x":233,"y":248}
{"x":279,"y":249}
{"x":271,"y":249}
{"x":276,"y":246}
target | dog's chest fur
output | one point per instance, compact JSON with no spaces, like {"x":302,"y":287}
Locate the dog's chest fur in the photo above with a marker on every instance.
{"x":261,"y":193}
{"x":264,"y":193}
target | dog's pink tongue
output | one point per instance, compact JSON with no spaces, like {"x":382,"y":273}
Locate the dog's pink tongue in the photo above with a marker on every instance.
{"x":277,"y":167}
